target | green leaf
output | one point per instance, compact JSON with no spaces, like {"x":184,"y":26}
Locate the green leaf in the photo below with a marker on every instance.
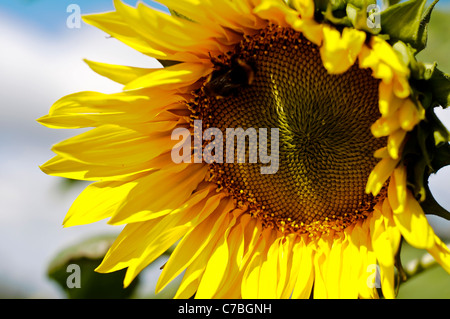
{"x":388,"y":3}
{"x":431,"y":82}
{"x":402,"y":21}
{"x":73,"y":270}
{"x":440,"y":86}
{"x":356,"y":13}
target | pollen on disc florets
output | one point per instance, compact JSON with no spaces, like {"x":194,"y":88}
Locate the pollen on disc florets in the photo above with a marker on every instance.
{"x":325,"y":144}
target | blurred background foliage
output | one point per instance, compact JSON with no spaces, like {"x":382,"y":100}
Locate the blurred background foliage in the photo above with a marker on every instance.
{"x":431,"y":281}
{"x":88,"y":284}
{"x":438,"y":46}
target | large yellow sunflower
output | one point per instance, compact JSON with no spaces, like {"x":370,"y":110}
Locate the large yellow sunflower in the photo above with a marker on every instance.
{"x":350,"y":129}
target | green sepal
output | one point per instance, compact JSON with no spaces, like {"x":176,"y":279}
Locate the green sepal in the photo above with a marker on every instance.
{"x":441,"y":134}
{"x":353,"y":13}
{"x":336,"y":16}
{"x":404,"y":21}
{"x":429,"y":80}
{"x":422,"y":35}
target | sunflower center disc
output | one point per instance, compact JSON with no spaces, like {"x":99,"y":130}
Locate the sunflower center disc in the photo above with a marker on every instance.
{"x":325,"y":144}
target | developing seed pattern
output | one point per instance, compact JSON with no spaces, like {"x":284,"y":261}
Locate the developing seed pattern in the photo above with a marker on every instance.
{"x":326,"y":147}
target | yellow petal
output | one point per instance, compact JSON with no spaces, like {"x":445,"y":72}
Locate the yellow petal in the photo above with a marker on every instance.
{"x":386,"y":99}
{"x":334,"y":271}
{"x":192,"y":277}
{"x":215,"y":270}
{"x":368,"y":262}
{"x":190,"y":247}
{"x":114,"y":146}
{"x":392,"y":231}
{"x":397,"y":191}
{"x":303,"y":264}
{"x":350,"y":265}
{"x":118,"y":73}
{"x":414,"y":225}
{"x":231,"y":283}
{"x":268,"y":279}
{"x":182,"y":74}
{"x":63,"y":167}
{"x":441,"y":253}
{"x":155,"y":33}
{"x":321,"y":264}
{"x":381,"y":153}
{"x":410,"y":115}
{"x":305,"y":8}
{"x":385,"y":126}
{"x":380,"y":174}
{"x":136,"y":236}
{"x":340,"y":52}
{"x":142,"y":204}
{"x":313,"y":31}
{"x":387,"y":54}
{"x":386,"y":65}
{"x":287,"y":278}
{"x":89,"y":109}
{"x":401,"y":86}
{"x":148,"y":240}
{"x":98,"y":201}
{"x":251,"y":279}
{"x":274,"y":11}
{"x":162,"y":243}
{"x":172,"y":34}
{"x":395,"y":142}
{"x":384,"y":253}
{"x":113,"y":24}
{"x":251,"y":232}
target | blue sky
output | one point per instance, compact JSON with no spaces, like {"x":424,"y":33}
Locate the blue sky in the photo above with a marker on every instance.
{"x":51,"y":15}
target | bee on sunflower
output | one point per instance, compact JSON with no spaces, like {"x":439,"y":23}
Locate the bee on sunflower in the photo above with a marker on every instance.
{"x":358,"y":139}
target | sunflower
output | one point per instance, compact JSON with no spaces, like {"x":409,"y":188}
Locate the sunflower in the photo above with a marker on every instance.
{"x":355,"y":140}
